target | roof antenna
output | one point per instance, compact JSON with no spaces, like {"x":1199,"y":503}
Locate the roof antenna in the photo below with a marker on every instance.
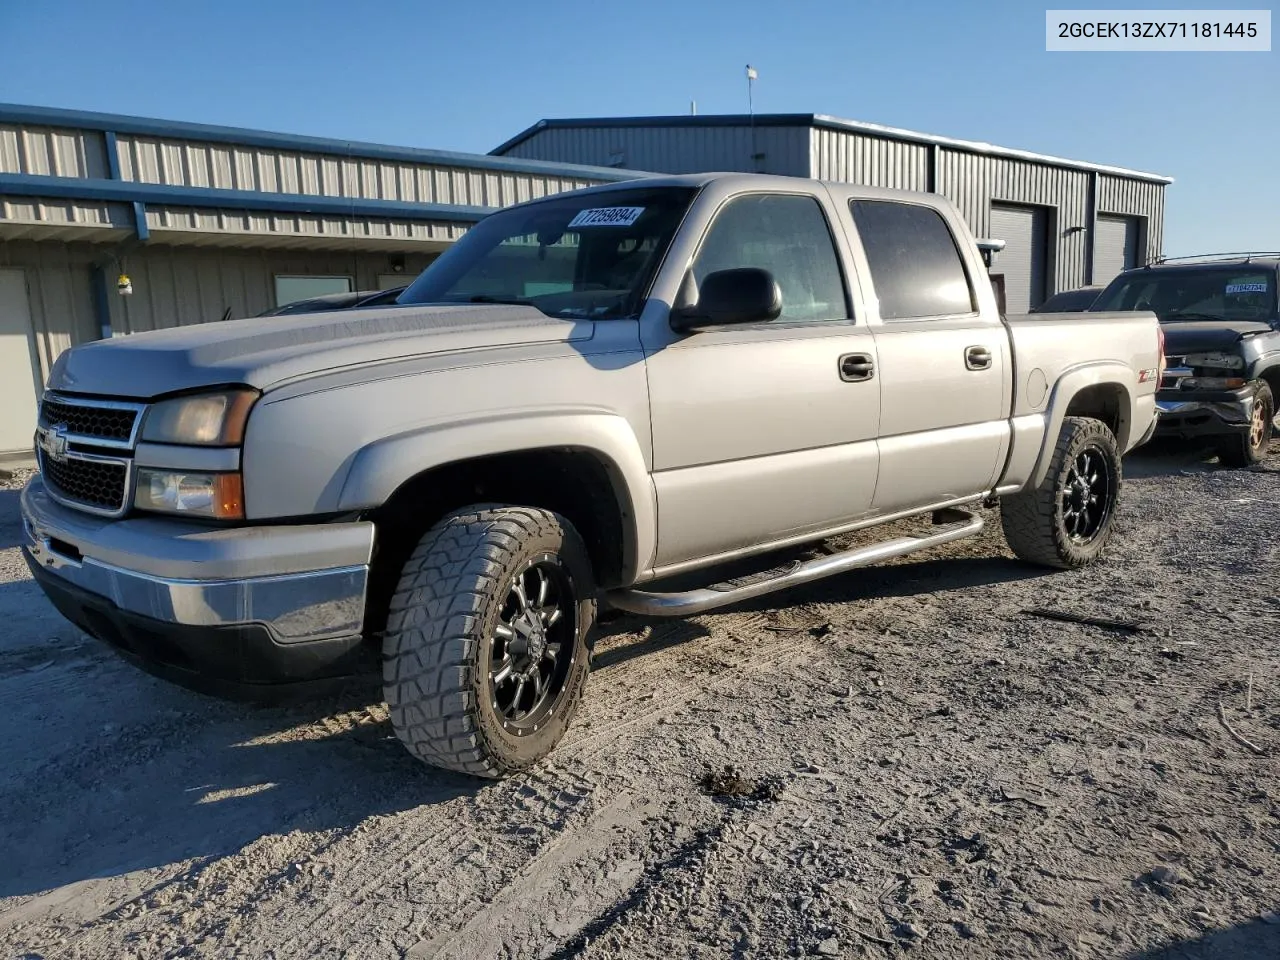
{"x":752,"y":76}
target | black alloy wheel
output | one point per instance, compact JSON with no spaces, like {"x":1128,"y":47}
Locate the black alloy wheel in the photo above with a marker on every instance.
{"x":1087,"y":494}
{"x":532,"y":644}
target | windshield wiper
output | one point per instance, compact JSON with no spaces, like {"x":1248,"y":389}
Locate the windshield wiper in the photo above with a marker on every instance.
{"x":1194,"y":316}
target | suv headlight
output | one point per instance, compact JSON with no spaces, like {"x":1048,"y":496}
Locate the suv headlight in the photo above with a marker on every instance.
{"x":203,"y":419}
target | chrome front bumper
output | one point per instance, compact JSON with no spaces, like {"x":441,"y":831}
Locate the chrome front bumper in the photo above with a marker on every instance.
{"x":1217,"y":414}
{"x":301,"y":583}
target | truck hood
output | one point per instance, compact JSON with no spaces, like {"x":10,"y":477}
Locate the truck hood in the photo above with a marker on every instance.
{"x":264,"y":351}
{"x":1204,"y":336}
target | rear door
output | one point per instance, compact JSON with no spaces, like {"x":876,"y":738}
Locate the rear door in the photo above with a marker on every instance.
{"x":764,"y":431}
{"x":944,"y":367}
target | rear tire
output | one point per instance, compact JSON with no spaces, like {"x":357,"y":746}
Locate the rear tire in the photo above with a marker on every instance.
{"x":1067,"y":520}
{"x":485,"y":656}
{"x":1246,"y":449}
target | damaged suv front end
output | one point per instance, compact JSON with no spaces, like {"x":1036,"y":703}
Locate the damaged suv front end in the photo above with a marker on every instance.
{"x":1222,"y":349}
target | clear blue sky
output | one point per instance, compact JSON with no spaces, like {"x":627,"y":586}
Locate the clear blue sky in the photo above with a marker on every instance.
{"x":466,"y":76}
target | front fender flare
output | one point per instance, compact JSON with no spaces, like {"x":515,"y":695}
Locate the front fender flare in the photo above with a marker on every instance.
{"x":383,"y":466}
{"x":1067,"y":387}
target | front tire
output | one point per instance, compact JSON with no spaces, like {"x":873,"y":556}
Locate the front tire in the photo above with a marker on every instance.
{"x":485,"y":656}
{"x":1067,"y":520}
{"x":1246,"y":449}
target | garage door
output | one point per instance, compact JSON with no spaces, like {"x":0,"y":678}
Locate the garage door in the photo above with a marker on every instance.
{"x":1024,"y":260}
{"x":1115,"y":247}
{"x":17,"y":360}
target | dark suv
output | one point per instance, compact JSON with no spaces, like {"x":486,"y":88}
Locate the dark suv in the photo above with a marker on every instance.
{"x":1222,"y":346}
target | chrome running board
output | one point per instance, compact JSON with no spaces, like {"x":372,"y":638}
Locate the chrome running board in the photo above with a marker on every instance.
{"x":722,"y":594}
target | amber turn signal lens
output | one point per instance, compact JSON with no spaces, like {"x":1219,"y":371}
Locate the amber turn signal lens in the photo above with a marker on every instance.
{"x":229,"y":502}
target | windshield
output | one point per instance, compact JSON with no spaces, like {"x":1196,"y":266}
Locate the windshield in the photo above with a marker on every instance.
{"x":584,"y":255}
{"x":1227,"y":294}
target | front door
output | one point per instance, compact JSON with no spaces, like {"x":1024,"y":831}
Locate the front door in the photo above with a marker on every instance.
{"x":757,"y":433}
{"x":18,"y":365}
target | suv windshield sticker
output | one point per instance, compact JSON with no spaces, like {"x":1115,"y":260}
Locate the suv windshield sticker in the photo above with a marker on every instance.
{"x":1246,"y":288}
{"x":606,"y":217}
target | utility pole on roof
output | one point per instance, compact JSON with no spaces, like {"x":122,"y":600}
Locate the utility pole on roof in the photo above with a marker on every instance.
{"x":752,"y":76}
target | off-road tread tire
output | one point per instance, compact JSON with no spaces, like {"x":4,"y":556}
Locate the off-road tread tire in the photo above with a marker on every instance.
{"x":1236,"y":451}
{"x":1030,"y":519}
{"x":439,"y":613}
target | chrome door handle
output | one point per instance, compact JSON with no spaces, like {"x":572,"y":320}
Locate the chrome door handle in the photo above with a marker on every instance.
{"x":855,"y":367}
{"x":977,"y":358}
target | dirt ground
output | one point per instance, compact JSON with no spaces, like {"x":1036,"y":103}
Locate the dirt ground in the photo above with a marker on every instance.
{"x":919,"y":767}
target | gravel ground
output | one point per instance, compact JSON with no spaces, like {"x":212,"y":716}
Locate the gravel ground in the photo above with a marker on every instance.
{"x":917,"y":766}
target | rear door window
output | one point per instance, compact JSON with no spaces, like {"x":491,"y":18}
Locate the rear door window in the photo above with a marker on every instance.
{"x":915,"y":263}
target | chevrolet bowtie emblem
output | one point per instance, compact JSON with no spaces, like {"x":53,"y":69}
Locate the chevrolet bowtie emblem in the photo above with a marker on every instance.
{"x":53,"y":441}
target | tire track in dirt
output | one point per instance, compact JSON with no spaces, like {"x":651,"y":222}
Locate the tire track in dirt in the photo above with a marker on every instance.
{"x":530,"y":905}
{"x":541,"y":802}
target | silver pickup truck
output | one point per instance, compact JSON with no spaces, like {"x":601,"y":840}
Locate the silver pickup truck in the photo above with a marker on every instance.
{"x":585,"y":396}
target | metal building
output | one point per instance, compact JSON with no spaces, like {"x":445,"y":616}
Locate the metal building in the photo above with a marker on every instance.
{"x":1066,"y":223}
{"x":211,"y":222}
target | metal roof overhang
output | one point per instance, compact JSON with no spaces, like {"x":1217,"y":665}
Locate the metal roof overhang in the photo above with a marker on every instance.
{"x":354,"y":213}
{"x":240,"y":136}
{"x":62,"y":232}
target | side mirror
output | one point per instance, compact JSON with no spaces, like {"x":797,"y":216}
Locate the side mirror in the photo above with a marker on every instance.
{"x":740,"y":295}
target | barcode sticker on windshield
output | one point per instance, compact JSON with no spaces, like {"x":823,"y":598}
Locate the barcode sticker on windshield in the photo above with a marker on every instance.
{"x":1246,"y":288}
{"x":606,"y":217}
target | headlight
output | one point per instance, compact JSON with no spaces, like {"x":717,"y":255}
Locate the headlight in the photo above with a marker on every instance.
{"x":1215,"y":361}
{"x":205,"y":419}
{"x":217,"y":495}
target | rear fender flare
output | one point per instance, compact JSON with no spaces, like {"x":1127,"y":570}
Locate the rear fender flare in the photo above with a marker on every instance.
{"x":1067,"y":387}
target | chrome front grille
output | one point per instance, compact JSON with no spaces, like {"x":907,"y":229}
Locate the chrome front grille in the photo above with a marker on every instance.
{"x":84,"y":447}
{"x":100,"y":483}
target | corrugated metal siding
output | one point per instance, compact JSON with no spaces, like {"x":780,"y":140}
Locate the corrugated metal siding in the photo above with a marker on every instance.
{"x":234,"y":222}
{"x":228,"y":167}
{"x":175,"y":286}
{"x":1137,"y":198}
{"x":673,"y":149}
{"x":974,"y":181}
{"x":869,"y":161}
{"x":52,"y":153}
{"x":29,"y":210}
{"x":59,"y":289}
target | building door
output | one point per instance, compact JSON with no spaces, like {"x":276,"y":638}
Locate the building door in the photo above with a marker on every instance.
{"x":1024,"y":261}
{"x":1115,"y":247}
{"x":18,"y":365}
